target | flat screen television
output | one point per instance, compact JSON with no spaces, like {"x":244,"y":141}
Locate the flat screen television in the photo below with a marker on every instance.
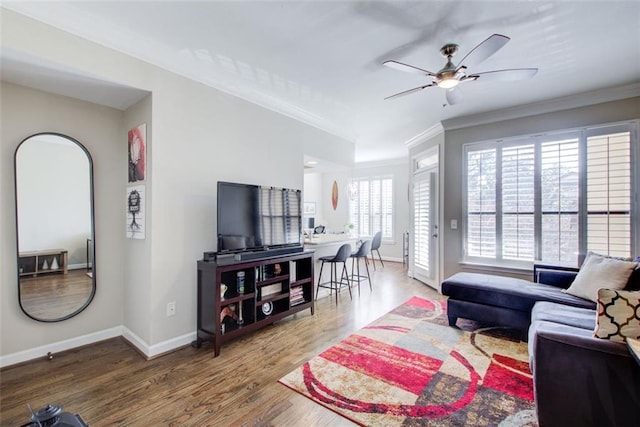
{"x":253,"y":217}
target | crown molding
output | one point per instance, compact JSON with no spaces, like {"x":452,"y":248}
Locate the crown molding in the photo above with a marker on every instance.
{"x":425,"y":135}
{"x":276,"y":105}
{"x":558,"y":104}
{"x":398,"y":161}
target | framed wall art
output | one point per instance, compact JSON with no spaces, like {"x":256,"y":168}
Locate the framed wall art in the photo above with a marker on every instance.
{"x":136,"y":212}
{"x":309,"y":208}
{"x":137,"y":140}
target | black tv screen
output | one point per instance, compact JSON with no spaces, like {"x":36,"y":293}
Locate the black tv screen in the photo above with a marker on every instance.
{"x":253,"y":217}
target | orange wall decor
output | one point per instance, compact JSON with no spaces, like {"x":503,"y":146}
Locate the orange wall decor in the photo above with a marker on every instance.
{"x":334,"y":195}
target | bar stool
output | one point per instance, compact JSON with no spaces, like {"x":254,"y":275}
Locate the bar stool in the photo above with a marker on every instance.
{"x":362,"y":252}
{"x":341,"y":256}
{"x":375,"y":245}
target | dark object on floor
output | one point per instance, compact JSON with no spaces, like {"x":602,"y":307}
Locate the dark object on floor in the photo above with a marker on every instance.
{"x":54,"y":416}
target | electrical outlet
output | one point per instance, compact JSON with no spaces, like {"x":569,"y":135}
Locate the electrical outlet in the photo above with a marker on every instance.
{"x":171,"y":309}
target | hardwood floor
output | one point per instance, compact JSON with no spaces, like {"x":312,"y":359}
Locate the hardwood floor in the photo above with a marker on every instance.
{"x":109,"y":383}
{"x":52,"y":296}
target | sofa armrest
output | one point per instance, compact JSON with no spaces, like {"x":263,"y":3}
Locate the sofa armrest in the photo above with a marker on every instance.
{"x":582,"y":380}
{"x":554,"y":275}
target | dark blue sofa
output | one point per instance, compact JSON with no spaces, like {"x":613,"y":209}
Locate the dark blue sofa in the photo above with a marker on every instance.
{"x":506,"y":301}
{"x":579,"y":380}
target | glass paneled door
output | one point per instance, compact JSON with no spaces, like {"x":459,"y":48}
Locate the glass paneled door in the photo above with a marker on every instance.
{"x":425,"y":219}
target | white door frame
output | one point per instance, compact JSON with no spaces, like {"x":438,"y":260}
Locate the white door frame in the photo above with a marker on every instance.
{"x":427,"y":162}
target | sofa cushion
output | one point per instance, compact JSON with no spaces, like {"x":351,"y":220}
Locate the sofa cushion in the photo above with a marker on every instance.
{"x":599,"y":271}
{"x":508,"y":292}
{"x":634,"y":280}
{"x":557,"y":278}
{"x":580,"y":380}
{"x":571,"y":336}
{"x":618,"y":315}
{"x":578,"y":317}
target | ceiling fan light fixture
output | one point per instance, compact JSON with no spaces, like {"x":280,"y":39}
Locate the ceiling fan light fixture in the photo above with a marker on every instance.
{"x":448,"y":82}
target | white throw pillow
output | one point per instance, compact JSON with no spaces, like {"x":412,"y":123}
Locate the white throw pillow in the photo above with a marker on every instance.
{"x":600,"y":272}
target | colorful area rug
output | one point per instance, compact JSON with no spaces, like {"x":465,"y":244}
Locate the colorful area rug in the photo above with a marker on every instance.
{"x":409,"y":368}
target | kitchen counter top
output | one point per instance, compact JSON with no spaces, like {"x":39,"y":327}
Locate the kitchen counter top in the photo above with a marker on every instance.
{"x":329,"y":239}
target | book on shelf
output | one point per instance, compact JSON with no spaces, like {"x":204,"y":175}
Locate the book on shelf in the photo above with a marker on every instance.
{"x":260,"y":273}
{"x":296,"y":295}
{"x":292,"y":271}
{"x":269,"y":290}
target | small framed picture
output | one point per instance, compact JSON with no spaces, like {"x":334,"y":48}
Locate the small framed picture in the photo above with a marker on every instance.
{"x":309,"y":208}
{"x":137,"y":153}
{"x":136,"y":212}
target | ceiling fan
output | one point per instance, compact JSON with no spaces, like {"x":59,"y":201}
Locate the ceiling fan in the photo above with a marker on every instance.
{"x":451,"y":75}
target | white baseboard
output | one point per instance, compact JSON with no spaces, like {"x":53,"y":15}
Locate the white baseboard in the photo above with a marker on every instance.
{"x":82,"y":266}
{"x":135,"y":341}
{"x":390,"y":259}
{"x":147,"y":350}
{"x":386,"y":258}
{"x":53,"y":348}
{"x":150,"y":351}
{"x":172,"y":344}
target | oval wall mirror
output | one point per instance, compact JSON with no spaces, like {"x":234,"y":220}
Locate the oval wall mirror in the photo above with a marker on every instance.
{"x":55,"y":227}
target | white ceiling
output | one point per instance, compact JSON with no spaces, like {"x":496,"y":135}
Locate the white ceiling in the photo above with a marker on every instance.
{"x":321,"y":61}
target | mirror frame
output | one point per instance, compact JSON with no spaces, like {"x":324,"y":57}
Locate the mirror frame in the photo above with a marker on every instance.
{"x":93,"y":226}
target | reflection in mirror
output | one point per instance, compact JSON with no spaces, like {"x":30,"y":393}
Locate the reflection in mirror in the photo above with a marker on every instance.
{"x":54,"y":213}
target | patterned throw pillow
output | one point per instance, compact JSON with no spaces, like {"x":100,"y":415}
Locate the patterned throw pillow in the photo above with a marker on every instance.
{"x":618,"y":315}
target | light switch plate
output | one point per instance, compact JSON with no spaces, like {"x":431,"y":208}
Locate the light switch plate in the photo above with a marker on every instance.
{"x":454,"y":224}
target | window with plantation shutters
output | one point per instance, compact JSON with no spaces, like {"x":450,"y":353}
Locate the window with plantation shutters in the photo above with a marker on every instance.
{"x":481,"y":203}
{"x":609,"y":194}
{"x":371,"y":206}
{"x":551,"y":197}
{"x":559,"y":190}
{"x":422,"y":221}
{"x":517,"y":167}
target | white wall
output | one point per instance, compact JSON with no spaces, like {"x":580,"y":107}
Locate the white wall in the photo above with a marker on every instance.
{"x":197,"y":136}
{"x":312,"y":193}
{"x":335,"y":219}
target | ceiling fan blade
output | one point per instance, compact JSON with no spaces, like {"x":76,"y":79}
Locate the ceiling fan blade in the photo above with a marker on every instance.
{"x":484,"y":50}
{"x":505,"y":75}
{"x":453,"y":95}
{"x":407,"y":92}
{"x":407,"y":68}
